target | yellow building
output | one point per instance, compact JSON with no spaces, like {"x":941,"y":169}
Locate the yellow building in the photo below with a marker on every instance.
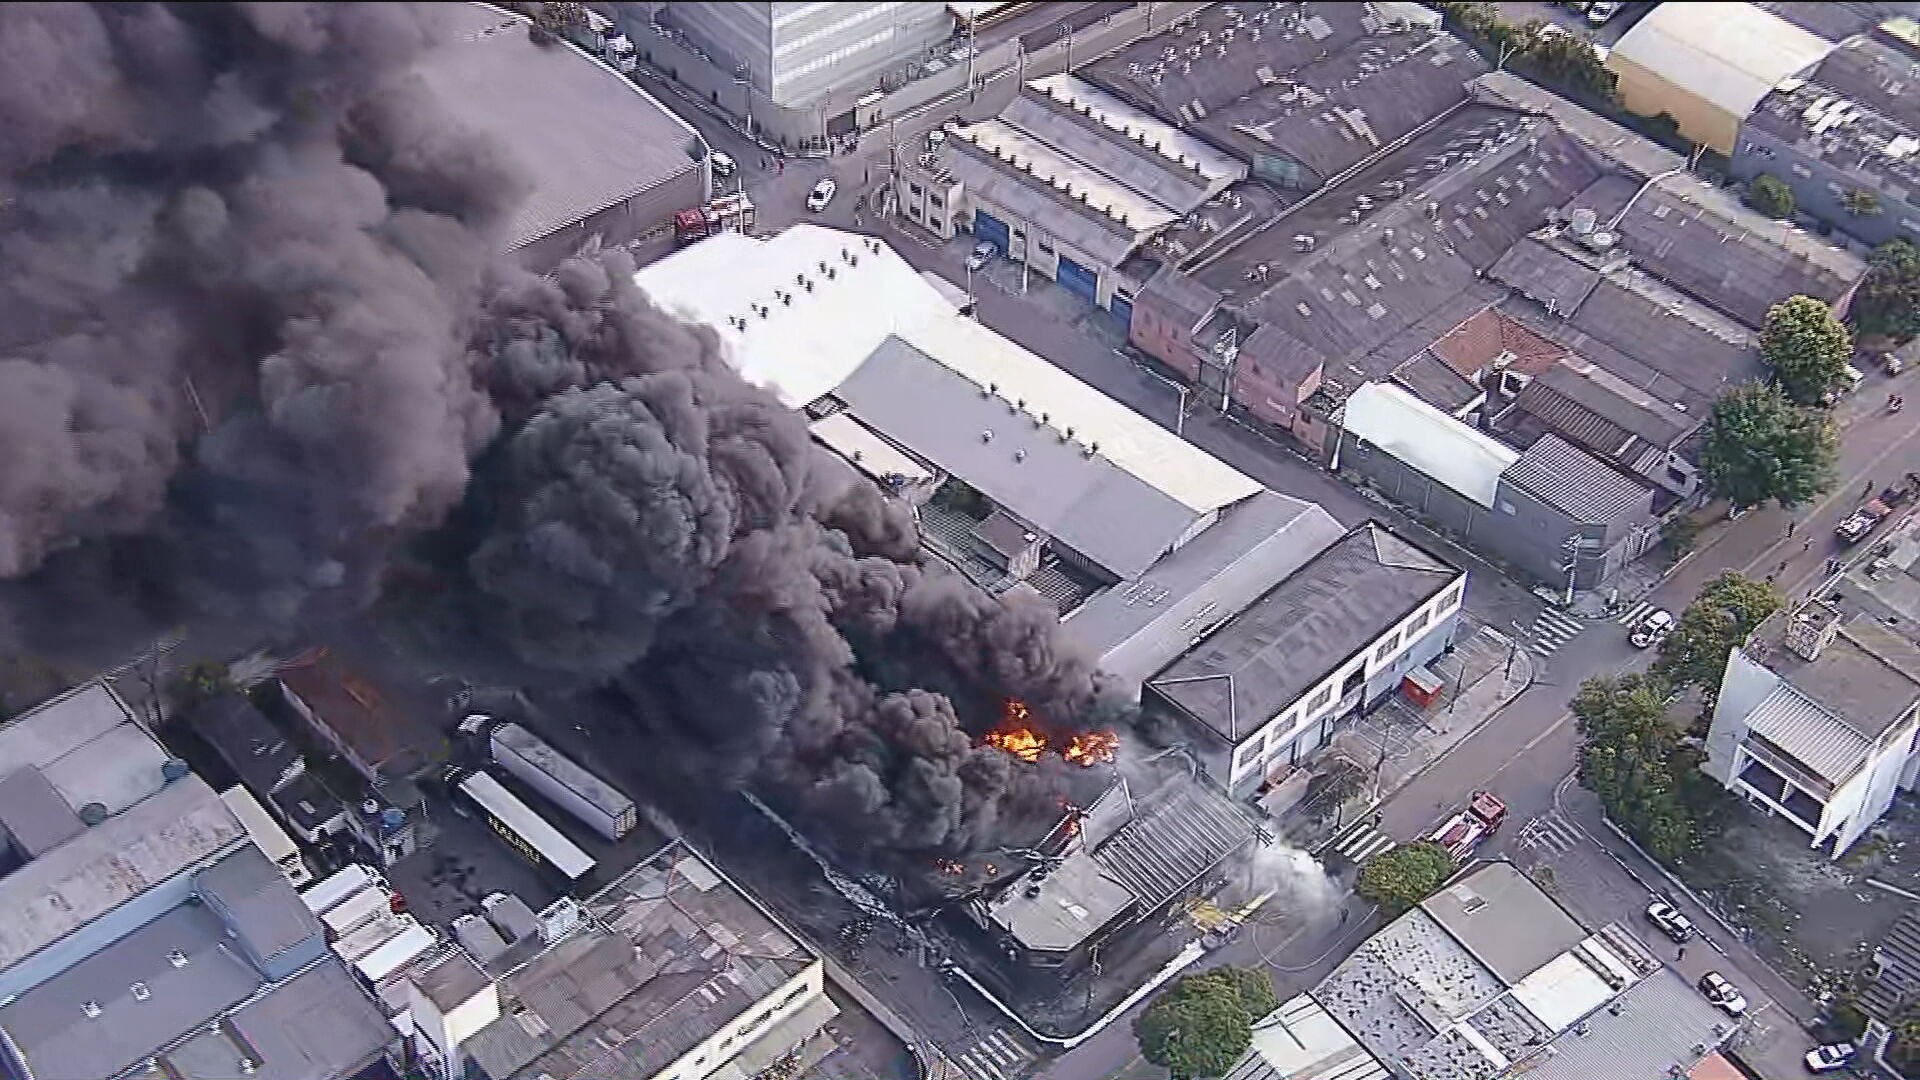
{"x":1708,"y":65}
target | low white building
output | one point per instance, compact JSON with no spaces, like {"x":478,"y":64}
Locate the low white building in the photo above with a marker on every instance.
{"x":1816,"y":724}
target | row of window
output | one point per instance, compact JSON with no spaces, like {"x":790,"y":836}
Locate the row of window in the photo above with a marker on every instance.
{"x":1251,"y":750}
{"x":745,"y":1033}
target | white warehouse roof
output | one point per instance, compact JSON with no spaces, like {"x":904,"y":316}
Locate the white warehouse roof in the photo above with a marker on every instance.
{"x":810,"y":343}
{"x":1727,"y":54}
{"x":1429,"y":440}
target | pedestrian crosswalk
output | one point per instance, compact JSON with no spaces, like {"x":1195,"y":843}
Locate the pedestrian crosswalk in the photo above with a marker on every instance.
{"x":998,"y":1054}
{"x":1635,"y":613}
{"x":1549,"y":834}
{"x":1552,"y":629}
{"x":1361,"y":841}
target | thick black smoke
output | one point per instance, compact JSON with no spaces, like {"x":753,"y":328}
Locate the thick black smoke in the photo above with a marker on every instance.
{"x":253,"y":342}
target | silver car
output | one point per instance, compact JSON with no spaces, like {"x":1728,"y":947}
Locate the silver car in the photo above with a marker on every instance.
{"x":1723,"y":993}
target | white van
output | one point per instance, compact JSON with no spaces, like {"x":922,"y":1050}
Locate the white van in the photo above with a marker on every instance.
{"x":722,"y":163}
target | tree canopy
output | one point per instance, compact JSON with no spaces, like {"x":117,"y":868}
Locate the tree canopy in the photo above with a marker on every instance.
{"x":1632,"y":758}
{"x":1806,"y":348}
{"x":1761,"y":446}
{"x":1403,"y":876}
{"x":1771,"y":196}
{"x":1723,"y":615}
{"x":1199,"y":1026}
{"x":1888,"y":301}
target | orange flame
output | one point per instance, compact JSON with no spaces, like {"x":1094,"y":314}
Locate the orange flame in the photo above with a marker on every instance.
{"x":1090,"y":748}
{"x":949,"y":867}
{"x":1016,"y":735}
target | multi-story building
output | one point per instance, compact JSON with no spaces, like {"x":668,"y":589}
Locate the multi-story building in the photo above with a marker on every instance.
{"x":1268,"y":686}
{"x":798,"y":74}
{"x":145,"y":935}
{"x":1815,"y":722}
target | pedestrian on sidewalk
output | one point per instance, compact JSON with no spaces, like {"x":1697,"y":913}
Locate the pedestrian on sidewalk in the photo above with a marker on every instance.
{"x":1680,"y":954}
{"x":1343,"y":916}
{"x":1807,"y":544}
{"x":1791,"y":524}
{"x":1867,"y":490}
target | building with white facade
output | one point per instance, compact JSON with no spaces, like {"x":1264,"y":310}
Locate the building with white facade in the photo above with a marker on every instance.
{"x":1023,"y":477}
{"x":1815,"y":723}
{"x":1268,"y":686}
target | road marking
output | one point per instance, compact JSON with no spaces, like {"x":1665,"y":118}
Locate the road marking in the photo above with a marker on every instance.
{"x":1635,"y":613}
{"x":1550,"y":833}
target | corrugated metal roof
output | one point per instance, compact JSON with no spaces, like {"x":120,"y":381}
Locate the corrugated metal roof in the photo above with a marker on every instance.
{"x":1662,"y":1023}
{"x":1428,"y":440}
{"x":1816,"y":738}
{"x":1727,"y":54}
{"x":1575,"y":481}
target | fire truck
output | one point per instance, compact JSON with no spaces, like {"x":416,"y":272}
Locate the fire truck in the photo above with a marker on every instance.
{"x":728,"y":212}
{"x":1473,"y":823}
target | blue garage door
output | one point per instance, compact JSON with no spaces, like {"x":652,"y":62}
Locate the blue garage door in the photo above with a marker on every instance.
{"x":1122,"y":308}
{"x":1079,"y":280}
{"x":992,"y":230}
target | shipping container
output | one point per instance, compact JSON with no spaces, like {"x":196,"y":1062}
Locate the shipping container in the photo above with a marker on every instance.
{"x":397,"y":953}
{"x":358,"y":910}
{"x":268,"y":836}
{"x":525,"y":831}
{"x":560,"y":780}
{"x":323,"y":897}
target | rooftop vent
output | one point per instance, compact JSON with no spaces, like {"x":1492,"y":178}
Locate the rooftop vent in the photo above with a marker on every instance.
{"x":93,"y":813}
{"x":986,"y":435}
{"x":1092,"y":448}
{"x":174,"y":769}
{"x":1583,"y":221}
{"x":140,"y":991}
{"x":248,"y":1066}
{"x":1020,"y":455}
{"x":177,"y":958}
{"x":91,"y":1008}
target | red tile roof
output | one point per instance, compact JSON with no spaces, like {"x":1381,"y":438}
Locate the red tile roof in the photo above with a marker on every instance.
{"x":1472,"y":347}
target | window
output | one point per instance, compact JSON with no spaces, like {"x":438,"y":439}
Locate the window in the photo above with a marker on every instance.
{"x":1386,"y":648}
{"x":1353,"y":682}
{"x":936,"y":200}
{"x":1046,"y":247}
{"x":1248,"y":753}
{"x":1418,"y":622}
{"x":913,"y":187}
{"x":1320,"y":699}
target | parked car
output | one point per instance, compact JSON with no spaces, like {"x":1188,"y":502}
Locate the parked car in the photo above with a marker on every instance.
{"x":983,"y":253}
{"x":1830,"y":1058}
{"x":1723,"y":993}
{"x":1653,"y":629}
{"x":721,"y":163}
{"x":1671,"y":923}
{"x":1598,"y":14}
{"x":936,"y":139}
{"x":821,"y":195}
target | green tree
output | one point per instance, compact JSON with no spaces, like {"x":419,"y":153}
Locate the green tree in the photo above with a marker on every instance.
{"x":1861,"y":202}
{"x":1888,"y":301}
{"x":1199,"y":1026}
{"x":1632,"y":758}
{"x":1724,"y":614}
{"x":1771,"y":196}
{"x":1806,"y":348}
{"x":1403,"y":876}
{"x":1761,"y":446}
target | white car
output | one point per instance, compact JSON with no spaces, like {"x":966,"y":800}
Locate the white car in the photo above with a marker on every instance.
{"x":982,"y":253}
{"x":1599,"y":13}
{"x":721,"y":163}
{"x":1671,"y":923}
{"x":1653,"y":629}
{"x":821,"y":195}
{"x":1829,"y":1058}
{"x":1723,"y":993}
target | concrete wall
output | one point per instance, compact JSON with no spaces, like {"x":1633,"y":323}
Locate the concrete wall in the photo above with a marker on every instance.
{"x":1534,"y":535}
{"x":1742,"y":688}
{"x":1819,"y":188}
{"x":1446,"y":508}
{"x":1649,"y":94}
{"x":641,"y":215}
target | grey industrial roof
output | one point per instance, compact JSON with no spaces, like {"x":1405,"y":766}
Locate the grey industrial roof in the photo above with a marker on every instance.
{"x":1547,"y":274}
{"x":1134,"y":628}
{"x":1574,"y":481}
{"x":1079,"y":225}
{"x":1180,"y":832}
{"x":1078,"y":897}
{"x":1635,"y":153}
{"x":1100,"y":150}
{"x":1084,"y":501}
{"x":1433,"y":381}
{"x":258,"y":904}
{"x":34,"y":814}
{"x":253,"y":745}
{"x":1504,"y":920}
{"x":1834,"y":20}
{"x":451,"y":981}
{"x":1856,"y":111}
{"x":1814,"y":737}
{"x":1896,"y":974}
{"x":58,"y":1039}
{"x":674,"y":953}
{"x":1660,"y":1025}
{"x":307,"y":803}
{"x":586,"y":136}
{"x":1333,"y":113}
{"x":319,"y":1025}
{"x":87,"y":745}
{"x":1404,"y":984}
{"x":1259,"y":662}
{"x":1602,"y":411}
{"x":178,"y":827}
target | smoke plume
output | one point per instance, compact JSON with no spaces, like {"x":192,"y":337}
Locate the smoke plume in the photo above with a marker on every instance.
{"x":255,"y":341}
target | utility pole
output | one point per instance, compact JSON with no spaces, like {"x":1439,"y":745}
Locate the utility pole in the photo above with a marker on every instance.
{"x":970,"y":52}
{"x":1180,"y":418}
